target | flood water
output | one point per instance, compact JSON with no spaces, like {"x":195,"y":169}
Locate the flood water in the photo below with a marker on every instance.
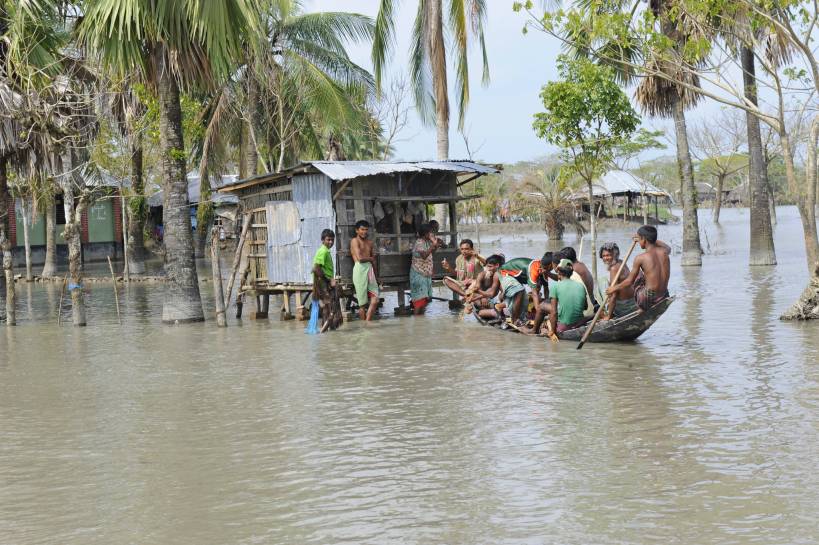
{"x":420,"y":430}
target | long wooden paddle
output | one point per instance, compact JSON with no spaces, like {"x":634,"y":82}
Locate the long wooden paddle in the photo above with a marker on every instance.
{"x":600,"y":310}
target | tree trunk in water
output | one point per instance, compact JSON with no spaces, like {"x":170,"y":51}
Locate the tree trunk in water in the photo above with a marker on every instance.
{"x":182,"y":301}
{"x":50,"y":265}
{"x":216,"y":270}
{"x":26,"y":210}
{"x":807,"y":199}
{"x":5,"y":244}
{"x":72,"y":235}
{"x":807,"y":307}
{"x":136,"y":210}
{"x":718,"y":196}
{"x":692,"y":250}
{"x":592,"y":231}
{"x":762,"y":250}
{"x":437,"y":55}
{"x":771,"y":201}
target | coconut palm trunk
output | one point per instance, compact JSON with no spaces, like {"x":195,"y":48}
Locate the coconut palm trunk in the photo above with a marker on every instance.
{"x":50,"y":264}
{"x":692,"y":250}
{"x":182,"y":300}
{"x":25,"y":209}
{"x":762,"y":246}
{"x":136,"y":210}
{"x":251,"y":157}
{"x":437,"y":58}
{"x":5,"y":243}
{"x":73,"y":237}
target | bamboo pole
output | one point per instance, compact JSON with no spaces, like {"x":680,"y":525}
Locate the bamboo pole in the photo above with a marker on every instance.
{"x":216,"y":270}
{"x":116,"y":295}
{"x":237,"y":258}
{"x":126,"y":268}
{"x":62,"y":294}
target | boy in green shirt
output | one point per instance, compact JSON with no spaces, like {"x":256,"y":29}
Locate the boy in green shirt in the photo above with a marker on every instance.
{"x":324,"y":283}
{"x":568,"y":301}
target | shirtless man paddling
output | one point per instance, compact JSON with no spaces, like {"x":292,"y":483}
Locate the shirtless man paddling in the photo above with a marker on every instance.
{"x":651,"y":270}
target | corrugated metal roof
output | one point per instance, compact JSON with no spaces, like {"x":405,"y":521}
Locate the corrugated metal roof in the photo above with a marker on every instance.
{"x":620,"y":182}
{"x":347,"y":170}
{"x":194,"y":190}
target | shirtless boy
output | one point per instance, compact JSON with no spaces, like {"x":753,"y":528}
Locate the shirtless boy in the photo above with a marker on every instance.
{"x":651,"y":270}
{"x":364,"y":274}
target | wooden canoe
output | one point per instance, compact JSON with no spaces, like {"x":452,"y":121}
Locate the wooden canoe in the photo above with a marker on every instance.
{"x":625,"y":328}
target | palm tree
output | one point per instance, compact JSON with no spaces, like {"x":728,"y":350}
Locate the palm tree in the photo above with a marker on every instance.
{"x":30,"y":38}
{"x":762,"y":250}
{"x":295,"y":83}
{"x":125,"y":110}
{"x":549,"y":192}
{"x":428,"y":57}
{"x":660,"y":96}
{"x":187,"y":43}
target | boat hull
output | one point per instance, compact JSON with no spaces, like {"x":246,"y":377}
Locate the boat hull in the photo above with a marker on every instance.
{"x":626,"y":328}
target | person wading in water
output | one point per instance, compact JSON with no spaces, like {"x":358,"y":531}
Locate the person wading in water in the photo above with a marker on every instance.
{"x":362,"y":251}
{"x":651,"y":271}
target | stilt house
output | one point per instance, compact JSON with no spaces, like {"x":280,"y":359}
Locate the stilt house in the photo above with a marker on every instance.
{"x":291,"y":208}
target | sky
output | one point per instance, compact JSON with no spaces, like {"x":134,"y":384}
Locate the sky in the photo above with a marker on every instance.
{"x":498,"y":122}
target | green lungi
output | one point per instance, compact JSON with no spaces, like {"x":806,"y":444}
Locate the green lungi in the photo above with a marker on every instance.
{"x":364,"y":283}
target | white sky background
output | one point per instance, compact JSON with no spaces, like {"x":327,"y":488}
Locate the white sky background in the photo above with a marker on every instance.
{"x":499,"y":118}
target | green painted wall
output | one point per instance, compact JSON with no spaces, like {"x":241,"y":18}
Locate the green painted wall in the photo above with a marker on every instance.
{"x":101,"y":221}
{"x":37,"y":231}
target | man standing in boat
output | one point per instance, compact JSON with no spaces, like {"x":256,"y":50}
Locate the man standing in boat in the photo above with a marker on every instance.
{"x":650,"y":272}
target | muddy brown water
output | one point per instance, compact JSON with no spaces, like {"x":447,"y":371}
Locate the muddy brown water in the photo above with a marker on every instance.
{"x":420,"y":430}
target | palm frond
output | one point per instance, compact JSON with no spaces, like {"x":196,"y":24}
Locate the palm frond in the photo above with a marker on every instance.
{"x":420,"y":72}
{"x":383,"y":37}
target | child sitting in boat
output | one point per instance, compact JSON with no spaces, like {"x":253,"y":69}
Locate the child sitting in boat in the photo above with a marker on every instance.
{"x":510,"y":294}
{"x":568,"y":301}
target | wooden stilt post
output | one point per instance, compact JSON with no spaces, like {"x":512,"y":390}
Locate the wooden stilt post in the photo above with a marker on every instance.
{"x":286,"y":305}
{"x":116,"y":295}
{"x":62,"y":294}
{"x":216,"y":271}
{"x":237,"y":258}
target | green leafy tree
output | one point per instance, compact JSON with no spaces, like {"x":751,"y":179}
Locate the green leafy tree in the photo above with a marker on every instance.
{"x":588,"y":116}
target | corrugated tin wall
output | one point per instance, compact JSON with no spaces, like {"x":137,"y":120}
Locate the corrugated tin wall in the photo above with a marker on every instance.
{"x":294,"y":229}
{"x":312,"y":193}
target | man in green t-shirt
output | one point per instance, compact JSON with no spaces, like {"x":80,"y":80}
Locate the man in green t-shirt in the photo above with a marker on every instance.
{"x":568,"y":301}
{"x":324,"y":282}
